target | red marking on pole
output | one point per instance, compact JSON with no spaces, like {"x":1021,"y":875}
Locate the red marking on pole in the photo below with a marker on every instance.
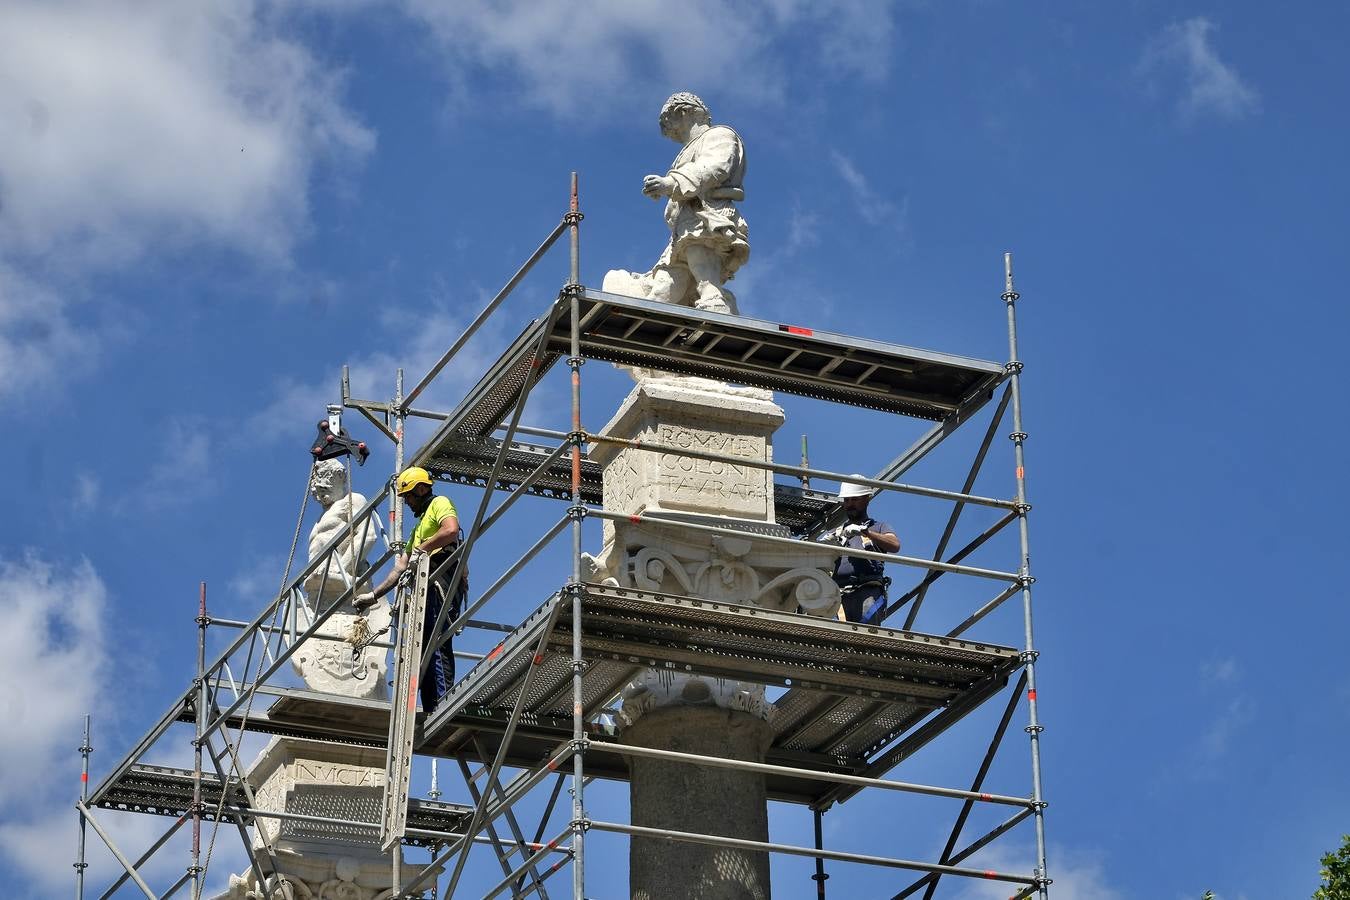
{"x":1021,"y":472}
{"x":84,"y":776}
{"x":986,"y":796}
{"x":1031,"y":694}
{"x":635,"y":519}
{"x":538,"y":658}
{"x":796,"y":329}
{"x":551,"y":765}
{"x":494,"y":652}
{"x":412,"y":693}
{"x":990,"y":873}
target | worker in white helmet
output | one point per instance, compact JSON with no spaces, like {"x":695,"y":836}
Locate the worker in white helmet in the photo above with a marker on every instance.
{"x":862,"y":585}
{"x":436,"y":534}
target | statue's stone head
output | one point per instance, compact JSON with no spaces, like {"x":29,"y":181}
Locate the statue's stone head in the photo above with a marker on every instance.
{"x":328,"y":482}
{"x":683,"y":104}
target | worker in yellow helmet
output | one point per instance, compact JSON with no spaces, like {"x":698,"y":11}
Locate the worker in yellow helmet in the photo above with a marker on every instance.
{"x":437,"y":535}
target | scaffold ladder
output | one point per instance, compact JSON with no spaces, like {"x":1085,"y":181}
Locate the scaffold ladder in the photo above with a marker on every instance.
{"x":411,"y":605}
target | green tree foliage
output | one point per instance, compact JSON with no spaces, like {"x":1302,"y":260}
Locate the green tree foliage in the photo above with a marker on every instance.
{"x":1336,"y":873}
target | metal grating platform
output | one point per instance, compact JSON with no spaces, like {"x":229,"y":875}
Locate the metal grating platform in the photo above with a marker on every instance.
{"x":780,"y":357}
{"x":859,"y":699}
{"x":795,"y":360}
{"x":167,"y":791}
{"x":853,"y":689}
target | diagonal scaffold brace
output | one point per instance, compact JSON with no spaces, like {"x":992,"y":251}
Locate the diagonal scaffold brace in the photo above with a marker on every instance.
{"x":411,"y":604}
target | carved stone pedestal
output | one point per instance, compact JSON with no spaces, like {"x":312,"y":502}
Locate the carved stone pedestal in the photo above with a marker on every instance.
{"x":683,"y":797}
{"x":682,"y":711}
{"x":316,"y":861}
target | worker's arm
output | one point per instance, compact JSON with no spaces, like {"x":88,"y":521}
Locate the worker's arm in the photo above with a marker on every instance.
{"x":368,"y":600}
{"x":884,"y":541}
{"x":446,"y":536}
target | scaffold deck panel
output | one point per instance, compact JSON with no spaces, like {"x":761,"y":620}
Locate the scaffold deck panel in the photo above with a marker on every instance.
{"x":777,"y":356}
{"x":167,"y":791}
{"x":853,"y":689}
{"x":754,"y":352}
{"x":469,"y":461}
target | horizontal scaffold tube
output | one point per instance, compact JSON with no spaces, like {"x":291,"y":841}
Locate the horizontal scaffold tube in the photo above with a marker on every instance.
{"x":718,"y":840}
{"x":771,"y":769}
{"x":914,"y":561}
{"x":782,"y":469}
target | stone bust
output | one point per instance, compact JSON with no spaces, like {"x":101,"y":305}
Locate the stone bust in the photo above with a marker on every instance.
{"x":709,"y":239}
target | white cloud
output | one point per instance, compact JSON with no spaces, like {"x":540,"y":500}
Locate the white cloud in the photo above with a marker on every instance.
{"x":184,"y":471}
{"x":1075,"y":874}
{"x":1211,"y":86}
{"x":874,"y":207}
{"x":52,"y":675}
{"x":131,"y":123}
{"x":39,"y":338}
{"x":567,"y":58}
{"x":1218,"y":735}
{"x":1219,"y":671}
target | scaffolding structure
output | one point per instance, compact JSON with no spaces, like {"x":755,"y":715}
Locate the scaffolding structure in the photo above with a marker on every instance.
{"x":858,"y":701}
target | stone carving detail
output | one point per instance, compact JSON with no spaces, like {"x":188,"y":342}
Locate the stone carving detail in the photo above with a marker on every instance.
{"x":668,"y":490}
{"x":709,"y":239}
{"x":317,"y":861}
{"x":326,"y":662}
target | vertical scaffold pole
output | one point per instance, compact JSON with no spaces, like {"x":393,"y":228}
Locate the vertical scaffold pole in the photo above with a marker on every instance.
{"x":396,"y":521}
{"x":195,"y":870}
{"x":80,"y":864}
{"x":820,"y":877}
{"x":1029,"y":653}
{"x":574,"y":362}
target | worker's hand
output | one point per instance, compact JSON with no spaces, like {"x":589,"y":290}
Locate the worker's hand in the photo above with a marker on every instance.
{"x":852,"y":531}
{"x":364,"y":602}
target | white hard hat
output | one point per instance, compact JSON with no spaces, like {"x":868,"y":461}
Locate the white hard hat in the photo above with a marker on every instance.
{"x":850,"y":489}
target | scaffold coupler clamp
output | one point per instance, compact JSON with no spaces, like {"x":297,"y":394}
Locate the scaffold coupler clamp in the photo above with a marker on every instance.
{"x":1013,"y":368}
{"x":1028,"y":657}
{"x":1011,"y":296}
{"x":577,"y":437}
{"x":1022,"y":508}
{"x":577,"y":513}
{"x":1018,"y":437}
{"x":572,"y":289}
{"x":1025,"y":579}
{"x":573,"y":217}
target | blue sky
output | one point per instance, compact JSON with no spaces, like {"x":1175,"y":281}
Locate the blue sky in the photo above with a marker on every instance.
{"x":206,"y":209}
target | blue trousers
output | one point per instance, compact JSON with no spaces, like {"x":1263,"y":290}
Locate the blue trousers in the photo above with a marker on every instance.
{"x":440,"y":674}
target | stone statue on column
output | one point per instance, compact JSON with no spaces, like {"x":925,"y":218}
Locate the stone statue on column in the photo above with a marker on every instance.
{"x":709,"y":238}
{"x":327,"y":662}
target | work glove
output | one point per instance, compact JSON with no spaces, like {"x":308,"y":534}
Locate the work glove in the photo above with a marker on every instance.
{"x":364,"y":602}
{"x":852,"y":531}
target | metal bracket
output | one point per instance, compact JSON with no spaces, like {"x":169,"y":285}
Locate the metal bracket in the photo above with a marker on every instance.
{"x":572,"y":218}
{"x":1013,"y":368}
{"x":1034,"y":729}
{"x":576,"y":514}
{"x":1029,"y":656}
{"x":572,"y":289}
{"x":1025,"y":581}
{"x":1017,"y":436}
{"x":1010,"y":296}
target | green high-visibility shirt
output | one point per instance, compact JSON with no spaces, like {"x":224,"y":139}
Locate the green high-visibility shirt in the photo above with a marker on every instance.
{"x":438,"y":511}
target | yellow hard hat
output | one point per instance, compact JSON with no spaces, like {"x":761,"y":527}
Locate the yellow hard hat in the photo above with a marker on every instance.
{"x":411,"y":478}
